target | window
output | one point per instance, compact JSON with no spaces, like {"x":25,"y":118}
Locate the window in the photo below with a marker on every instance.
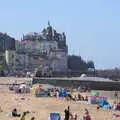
{"x":12,"y":56}
{"x":1,"y":57}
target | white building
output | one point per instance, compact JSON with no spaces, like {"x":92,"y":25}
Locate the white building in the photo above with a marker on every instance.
{"x":10,"y":59}
{"x":16,"y":60}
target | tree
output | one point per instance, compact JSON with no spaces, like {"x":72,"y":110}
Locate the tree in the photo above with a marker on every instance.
{"x":91,"y":64}
{"x":76,"y":63}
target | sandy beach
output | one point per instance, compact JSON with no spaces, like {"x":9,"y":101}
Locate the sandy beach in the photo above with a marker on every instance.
{"x":41,"y":107}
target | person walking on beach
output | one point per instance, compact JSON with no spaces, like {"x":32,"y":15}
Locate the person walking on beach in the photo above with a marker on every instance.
{"x":33,"y":118}
{"x":86,"y":115}
{"x":57,"y":94}
{"x":67,"y":113}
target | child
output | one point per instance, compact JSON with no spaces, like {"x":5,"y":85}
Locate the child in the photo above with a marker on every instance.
{"x":75,"y":118}
{"x":86,"y":115}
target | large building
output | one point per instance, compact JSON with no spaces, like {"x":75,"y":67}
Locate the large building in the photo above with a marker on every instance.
{"x":45,"y":52}
{"x":6,"y":42}
{"x":46,"y":49}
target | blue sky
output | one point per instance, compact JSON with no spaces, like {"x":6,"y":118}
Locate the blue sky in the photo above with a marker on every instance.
{"x":92,"y":26}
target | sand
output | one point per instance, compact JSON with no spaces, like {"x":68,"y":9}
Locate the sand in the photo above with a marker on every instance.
{"x":41,"y":107}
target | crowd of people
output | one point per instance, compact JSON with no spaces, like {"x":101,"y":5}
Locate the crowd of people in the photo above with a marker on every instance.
{"x":63,"y":93}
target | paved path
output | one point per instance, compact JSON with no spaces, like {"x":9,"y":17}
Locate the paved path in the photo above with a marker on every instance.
{"x":10,"y":80}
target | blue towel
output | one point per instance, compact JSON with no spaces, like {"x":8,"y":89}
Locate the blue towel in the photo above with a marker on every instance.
{"x":55,"y":116}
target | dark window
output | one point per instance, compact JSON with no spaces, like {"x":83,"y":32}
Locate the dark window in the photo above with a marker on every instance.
{"x":1,"y":57}
{"x":12,"y":56}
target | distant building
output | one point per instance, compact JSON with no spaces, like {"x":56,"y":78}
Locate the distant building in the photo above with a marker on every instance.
{"x":46,"y":49}
{"x":6,"y":42}
{"x":2,"y":62}
{"x":58,"y":60}
{"x":10,"y":59}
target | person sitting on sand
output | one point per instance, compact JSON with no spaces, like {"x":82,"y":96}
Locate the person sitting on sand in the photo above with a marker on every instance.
{"x":33,"y":118}
{"x":75,"y":118}
{"x":1,"y":109}
{"x":86,"y":115}
{"x":86,"y":98}
{"x":14,"y":113}
{"x":23,"y":116}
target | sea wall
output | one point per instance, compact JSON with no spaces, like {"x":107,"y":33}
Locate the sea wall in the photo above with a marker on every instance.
{"x":75,"y":83}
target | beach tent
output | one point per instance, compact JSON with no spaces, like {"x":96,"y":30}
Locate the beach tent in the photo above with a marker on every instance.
{"x":43,"y":86}
{"x":97,"y":99}
{"x":63,"y":93}
{"x":23,"y":86}
{"x":54,"y":116}
{"x":41,"y":93}
{"x":103,"y":102}
{"x":92,"y":100}
{"x":107,"y":106}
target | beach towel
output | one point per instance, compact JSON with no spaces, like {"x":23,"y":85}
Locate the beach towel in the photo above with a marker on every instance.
{"x":54,"y":116}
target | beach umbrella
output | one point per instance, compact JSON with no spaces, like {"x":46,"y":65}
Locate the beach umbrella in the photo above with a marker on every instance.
{"x":23,"y":86}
